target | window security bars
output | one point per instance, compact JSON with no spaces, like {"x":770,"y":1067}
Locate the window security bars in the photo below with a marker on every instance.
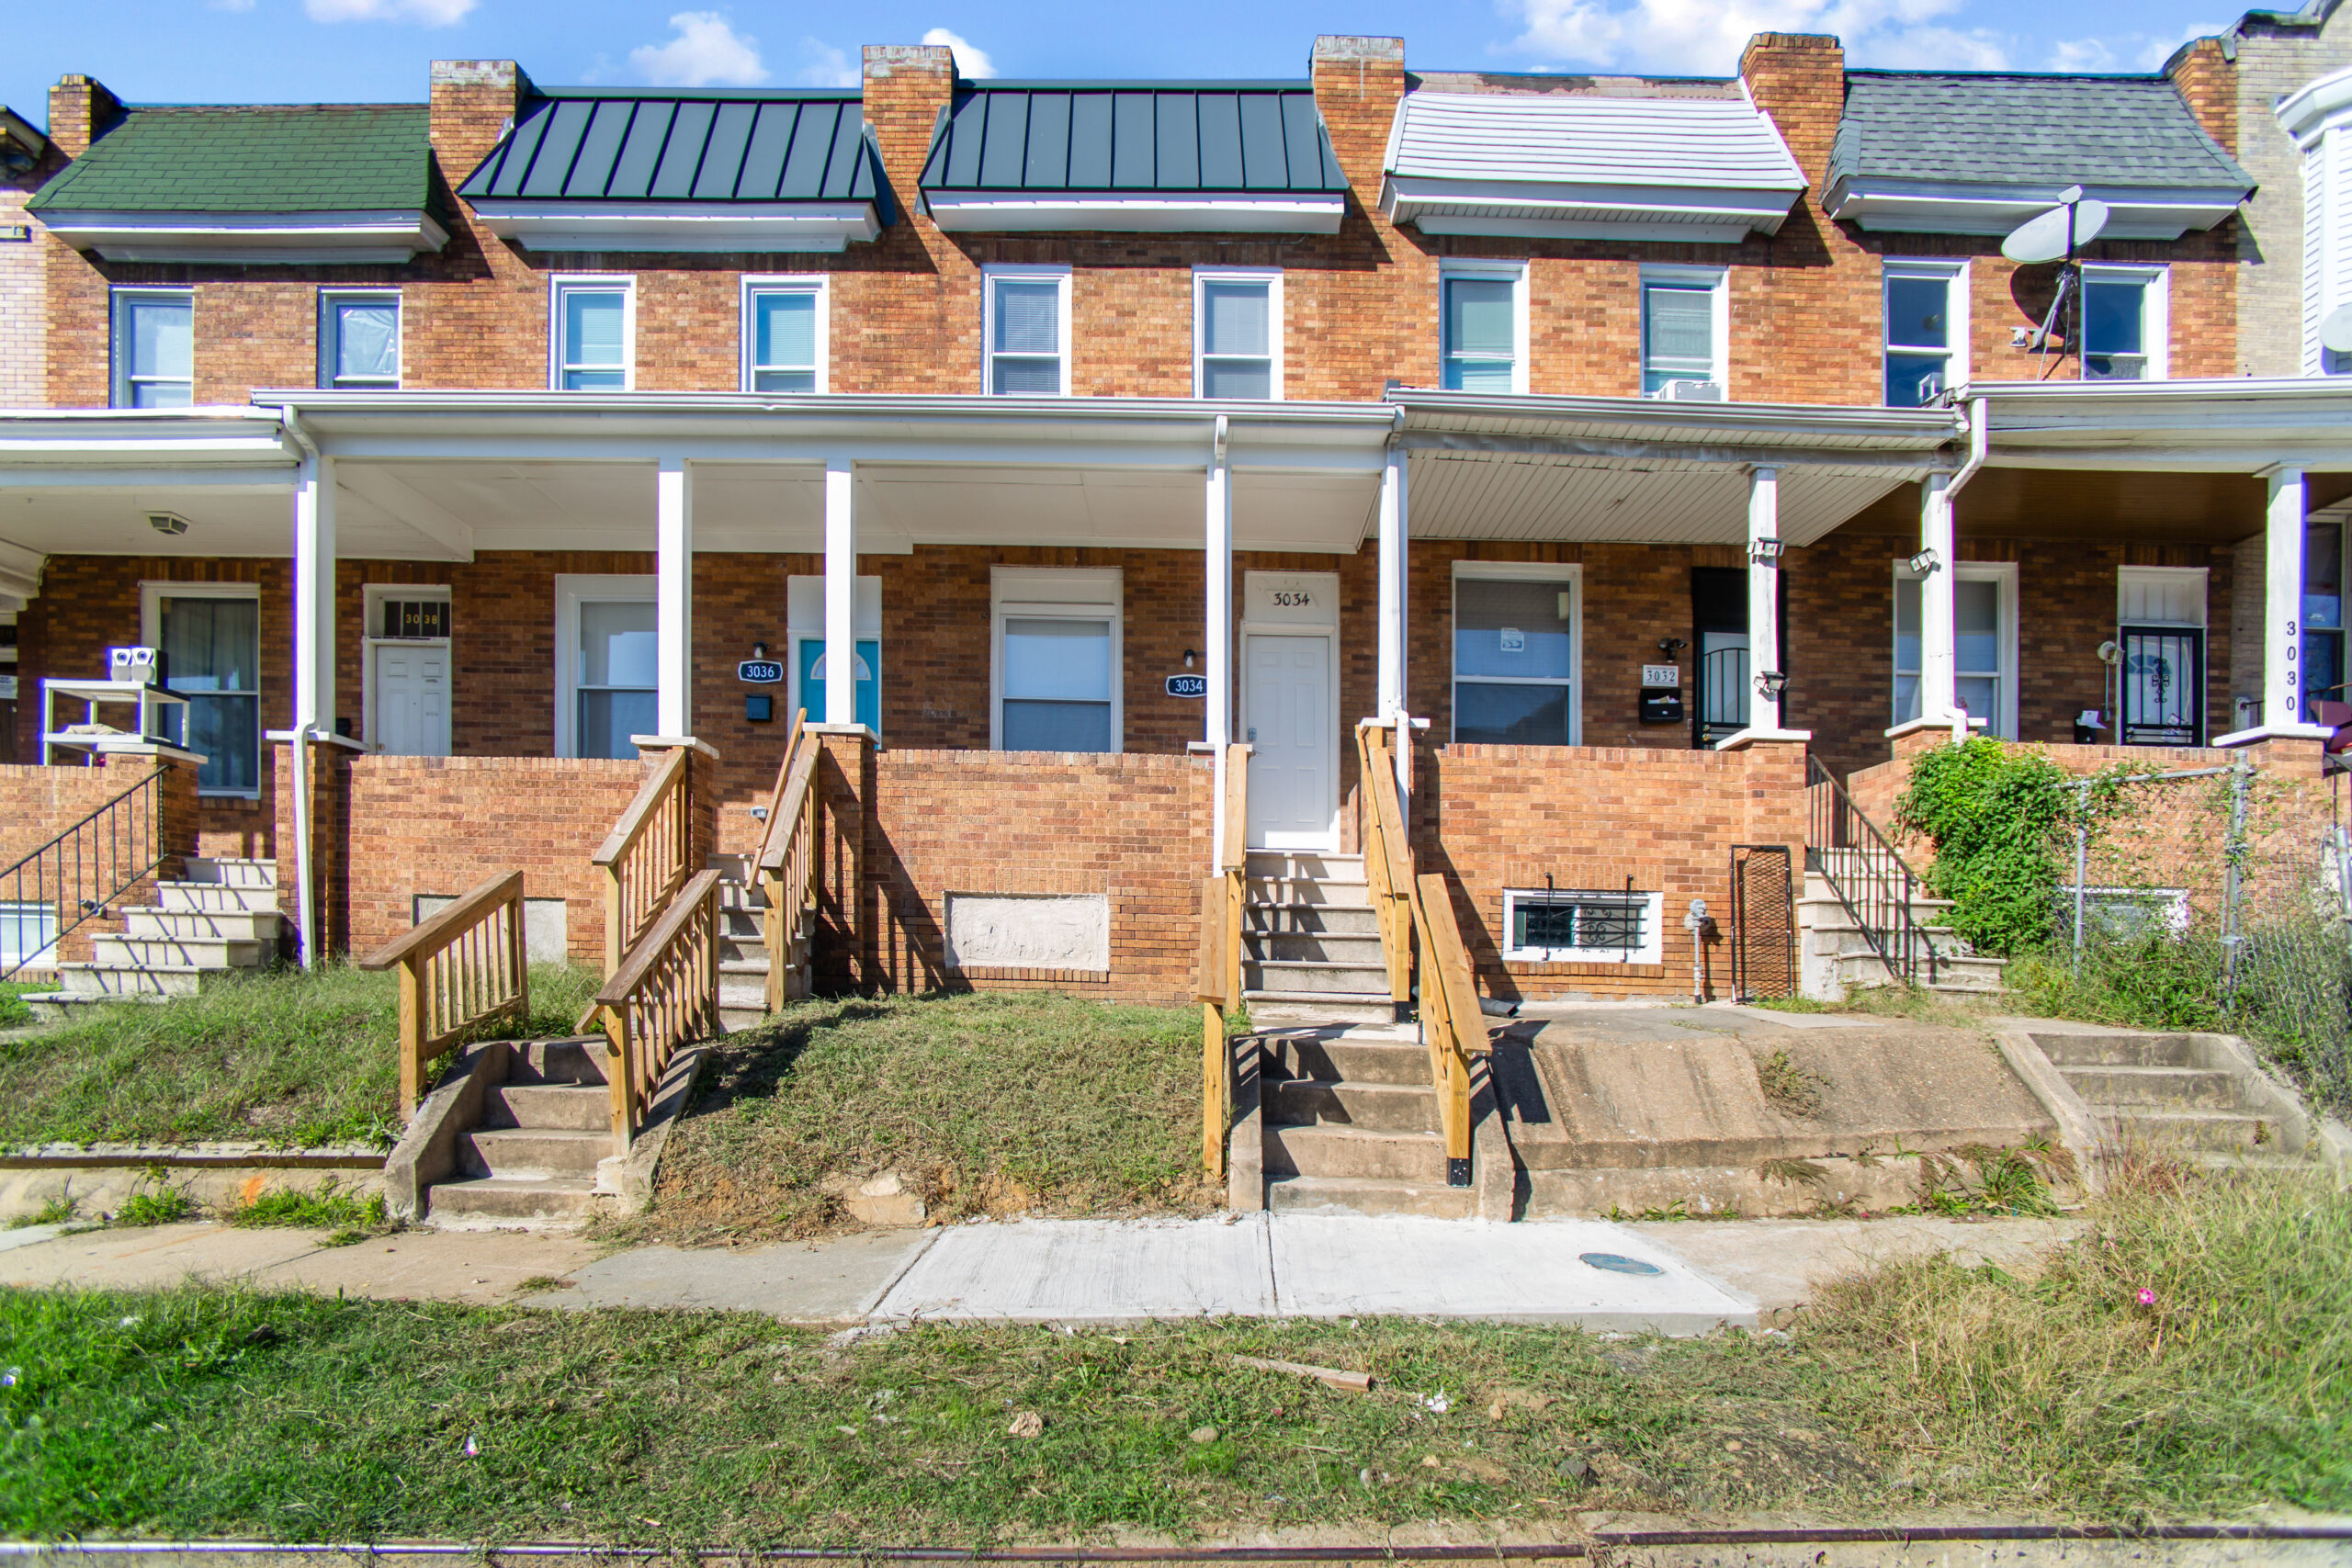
{"x":71,"y":879}
{"x":1876,"y":888}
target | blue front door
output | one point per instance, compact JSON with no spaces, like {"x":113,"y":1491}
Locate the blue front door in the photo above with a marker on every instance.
{"x":813,"y":681}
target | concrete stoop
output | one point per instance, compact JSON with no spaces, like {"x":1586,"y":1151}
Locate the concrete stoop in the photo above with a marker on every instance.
{"x":1310,"y":942}
{"x":1835,"y":954}
{"x":221,"y":917}
{"x":2205,"y":1097}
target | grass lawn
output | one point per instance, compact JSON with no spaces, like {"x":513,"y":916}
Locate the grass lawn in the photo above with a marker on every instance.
{"x":281,"y":1057}
{"x":196,"y":1412}
{"x":997,"y":1104}
{"x":15,"y":1014}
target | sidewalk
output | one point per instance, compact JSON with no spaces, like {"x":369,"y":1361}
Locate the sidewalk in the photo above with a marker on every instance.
{"x":1685,"y":1278}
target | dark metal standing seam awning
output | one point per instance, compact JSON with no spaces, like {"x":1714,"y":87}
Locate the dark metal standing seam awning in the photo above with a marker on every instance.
{"x":685,"y":171}
{"x":1146,"y":156}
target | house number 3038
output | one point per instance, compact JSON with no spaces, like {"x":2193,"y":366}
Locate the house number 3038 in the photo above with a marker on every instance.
{"x":1291,"y":598}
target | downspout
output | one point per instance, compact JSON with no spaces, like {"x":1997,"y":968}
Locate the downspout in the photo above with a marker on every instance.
{"x":306,"y":915}
{"x":1980,"y":438}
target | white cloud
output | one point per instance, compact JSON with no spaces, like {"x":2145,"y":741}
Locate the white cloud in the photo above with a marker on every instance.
{"x":2082,"y":54}
{"x":431,"y":13}
{"x":228,"y":5}
{"x":969,"y":62}
{"x":823,"y":65}
{"x":707,"y":52}
{"x":2159,"y":47}
{"x":1705,"y":37}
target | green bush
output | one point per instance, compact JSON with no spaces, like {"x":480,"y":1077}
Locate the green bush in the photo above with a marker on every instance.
{"x":1999,"y":819}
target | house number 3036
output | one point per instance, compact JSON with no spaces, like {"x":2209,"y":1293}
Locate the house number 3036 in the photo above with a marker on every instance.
{"x":1291,"y":598}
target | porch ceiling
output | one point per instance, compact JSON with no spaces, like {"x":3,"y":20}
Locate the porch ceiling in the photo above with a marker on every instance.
{"x":2156,"y":508}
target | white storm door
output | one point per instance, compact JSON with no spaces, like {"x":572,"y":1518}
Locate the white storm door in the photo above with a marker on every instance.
{"x":1294,"y":771}
{"x":412,"y":699}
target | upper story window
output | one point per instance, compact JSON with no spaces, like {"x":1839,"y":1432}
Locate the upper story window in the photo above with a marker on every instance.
{"x":1026,"y":330}
{"x":784,"y":334}
{"x":2126,"y":323}
{"x":359,"y":338}
{"x":594,"y":334}
{"x":1686,"y":332}
{"x":1927,"y":331}
{"x":1483,"y":325}
{"x":154,"y":348}
{"x":1238,"y":332}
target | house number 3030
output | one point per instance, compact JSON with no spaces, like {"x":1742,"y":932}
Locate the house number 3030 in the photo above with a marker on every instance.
{"x":1291,"y":598}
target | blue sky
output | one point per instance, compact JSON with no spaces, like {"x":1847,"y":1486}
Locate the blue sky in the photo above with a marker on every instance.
{"x":282,"y":50}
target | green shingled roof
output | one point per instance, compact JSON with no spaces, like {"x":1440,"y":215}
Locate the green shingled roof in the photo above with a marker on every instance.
{"x":329,"y":158}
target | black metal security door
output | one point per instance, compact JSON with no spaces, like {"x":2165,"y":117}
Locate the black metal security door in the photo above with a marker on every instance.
{"x":2164,"y":687}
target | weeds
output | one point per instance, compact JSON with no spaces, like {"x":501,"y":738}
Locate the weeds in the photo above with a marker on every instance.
{"x":163,"y":1206}
{"x":1793,"y":1089}
{"x":327,"y":1209}
{"x":56,"y":1210}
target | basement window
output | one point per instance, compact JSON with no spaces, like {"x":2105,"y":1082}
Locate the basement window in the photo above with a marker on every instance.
{"x":28,"y":932}
{"x":2125,"y":914}
{"x":1582,"y":926}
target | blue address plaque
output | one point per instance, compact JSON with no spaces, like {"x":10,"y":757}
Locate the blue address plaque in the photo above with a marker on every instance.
{"x":760,"y":671}
{"x":1188,"y":685}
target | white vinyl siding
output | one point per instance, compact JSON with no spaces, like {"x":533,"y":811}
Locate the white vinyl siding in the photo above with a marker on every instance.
{"x":2327,"y":245}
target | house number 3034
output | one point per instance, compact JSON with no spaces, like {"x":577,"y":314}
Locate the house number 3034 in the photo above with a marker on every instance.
{"x":1291,"y":598}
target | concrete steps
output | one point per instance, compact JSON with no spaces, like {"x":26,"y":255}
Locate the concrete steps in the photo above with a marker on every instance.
{"x":1834,"y":952}
{"x":1351,"y":1125}
{"x":2199,"y":1095}
{"x":221,"y":917}
{"x":1357,"y":1195}
{"x":1310,"y":941}
{"x":532,"y":1159}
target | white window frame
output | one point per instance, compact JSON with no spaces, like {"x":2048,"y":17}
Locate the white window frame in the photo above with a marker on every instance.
{"x":1065,"y":593}
{"x":1717,"y":280}
{"x":1514,"y":273}
{"x":1652,"y":951}
{"x":1954,"y":275}
{"x":328,"y":337}
{"x":816,"y":284}
{"x":152,"y":594}
{"x":1271,"y":277}
{"x":1571,"y":578}
{"x":2004,"y":724}
{"x":2155,"y":310}
{"x":995,"y":273}
{"x":372,"y":606}
{"x":572,"y":591}
{"x":119,"y":344}
{"x":564,"y":284}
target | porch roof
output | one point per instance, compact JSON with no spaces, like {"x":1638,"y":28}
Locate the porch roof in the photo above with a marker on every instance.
{"x":1638,"y":470}
{"x":2231,"y":425}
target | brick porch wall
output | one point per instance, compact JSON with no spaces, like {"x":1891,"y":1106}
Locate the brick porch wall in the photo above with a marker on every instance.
{"x":37,"y":804}
{"x":1501,"y":816}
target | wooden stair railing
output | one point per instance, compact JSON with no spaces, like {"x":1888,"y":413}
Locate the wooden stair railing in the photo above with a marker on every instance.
{"x":1387,"y":855}
{"x":1452,"y":1022}
{"x":458,"y":969}
{"x":1223,"y":897}
{"x":663,"y":993}
{"x":647,"y":856}
{"x":788,"y":869}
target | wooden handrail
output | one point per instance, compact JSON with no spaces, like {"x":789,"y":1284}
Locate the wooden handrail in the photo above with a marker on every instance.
{"x":792,"y":778}
{"x":460,"y":968}
{"x":1213,"y":987}
{"x":663,"y":993}
{"x":1451,"y":1019}
{"x":645,"y":857}
{"x":1234,"y":853}
{"x":789,"y":872}
{"x":1387,"y":856}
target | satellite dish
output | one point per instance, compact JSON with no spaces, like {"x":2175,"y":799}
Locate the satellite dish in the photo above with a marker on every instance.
{"x":2044,"y":238}
{"x":2335,"y":330}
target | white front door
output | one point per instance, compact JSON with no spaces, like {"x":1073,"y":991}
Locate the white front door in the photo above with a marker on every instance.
{"x":412,"y":717}
{"x":1294,"y":771}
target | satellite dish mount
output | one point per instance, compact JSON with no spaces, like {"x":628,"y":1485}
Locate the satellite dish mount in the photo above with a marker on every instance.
{"x":2055,"y":236}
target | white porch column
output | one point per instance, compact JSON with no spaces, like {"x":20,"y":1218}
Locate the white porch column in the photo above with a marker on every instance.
{"x":2282,"y":675}
{"x":1391,"y":583}
{"x":314,"y":552}
{"x":673,"y":598}
{"x":841,"y":592}
{"x":1938,"y":600}
{"x":1216,"y":630}
{"x":1763,"y":597}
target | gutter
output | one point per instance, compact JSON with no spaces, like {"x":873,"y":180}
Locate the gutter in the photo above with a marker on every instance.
{"x":821,"y":405}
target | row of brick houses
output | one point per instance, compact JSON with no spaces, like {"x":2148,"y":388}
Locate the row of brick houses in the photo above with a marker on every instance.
{"x":1640,"y":438}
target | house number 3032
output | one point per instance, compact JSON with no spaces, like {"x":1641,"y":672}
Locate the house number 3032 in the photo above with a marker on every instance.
{"x":1291,"y":598}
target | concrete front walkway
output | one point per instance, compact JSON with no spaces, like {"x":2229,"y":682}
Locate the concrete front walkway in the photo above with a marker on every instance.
{"x":1733,"y":1272}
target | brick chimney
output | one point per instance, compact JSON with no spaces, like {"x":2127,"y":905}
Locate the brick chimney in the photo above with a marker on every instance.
{"x":1799,"y":79}
{"x":1358,"y":84}
{"x":905,"y":85}
{"x":2206,"y":79}
{"x":80,"y":111}
{"x":474,"y":102}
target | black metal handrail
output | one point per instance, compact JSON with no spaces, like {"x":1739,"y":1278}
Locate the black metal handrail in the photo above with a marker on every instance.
{"x":1870,"y":879}
{"x":72,"y":878}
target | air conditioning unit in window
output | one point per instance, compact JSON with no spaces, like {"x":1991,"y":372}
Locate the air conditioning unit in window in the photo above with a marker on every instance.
{"x":1690,"y":392}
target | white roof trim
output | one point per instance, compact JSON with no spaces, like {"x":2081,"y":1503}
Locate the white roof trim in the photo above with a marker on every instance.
{"x":2306,"y":112}
{"x":685,"y":227}
{"x":1723,"y":215}
{"x":249,"y":239}
{"x":968,"y":211}
{"x":1922,"y":207}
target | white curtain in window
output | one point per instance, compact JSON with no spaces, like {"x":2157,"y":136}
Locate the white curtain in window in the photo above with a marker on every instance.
{"x":1056,"y":684}
{"x":366,"y":340}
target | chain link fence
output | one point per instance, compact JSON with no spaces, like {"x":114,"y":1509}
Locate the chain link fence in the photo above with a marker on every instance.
{"x":2221,"y":898}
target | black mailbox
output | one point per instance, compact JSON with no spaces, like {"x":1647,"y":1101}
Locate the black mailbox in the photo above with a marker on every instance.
{"x":1663,"y":707}
{"x":759,"y":707}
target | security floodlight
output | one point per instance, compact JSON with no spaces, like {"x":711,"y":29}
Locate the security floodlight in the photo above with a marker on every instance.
{"x":1766,"y":552}
{"x":1771,"y":684}
{"x":1923,"y":563}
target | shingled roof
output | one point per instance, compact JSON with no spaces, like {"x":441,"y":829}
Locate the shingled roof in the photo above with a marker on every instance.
{"x":314,"y":158}
{"x":2002,"y":130}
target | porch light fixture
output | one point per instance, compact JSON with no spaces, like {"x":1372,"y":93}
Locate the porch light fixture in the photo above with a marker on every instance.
{"x":1189,"y":655}
{"x":759,"y":649}
{"x":1771,"y":684}
{"x":1925,"y":562}
{"x":170,"y":523}
{"x":1668,"y":646}
{"x":1766,"y":552}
